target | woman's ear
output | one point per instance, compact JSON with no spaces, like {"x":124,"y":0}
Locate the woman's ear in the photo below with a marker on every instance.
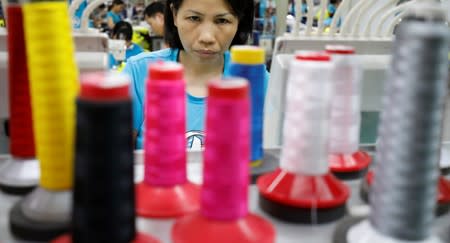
{"x":174,"y":15}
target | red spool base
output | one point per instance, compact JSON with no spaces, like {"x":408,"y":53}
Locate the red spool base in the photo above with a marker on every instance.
{"x":165,"y":202}
{"x":249,"y":229}
{"x":443,"y":190}
{"x":304,"y":199}
{"x":369,"y":177}
{"x":305,"y":191}
{"x":140,"y":238}
{"x":349,"y":166}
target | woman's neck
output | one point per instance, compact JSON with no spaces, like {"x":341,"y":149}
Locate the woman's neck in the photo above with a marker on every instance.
{"x":198,"y":74}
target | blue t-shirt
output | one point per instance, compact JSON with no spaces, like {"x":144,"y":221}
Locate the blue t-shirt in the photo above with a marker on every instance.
{"x":78,"y":13}
{"x":136,"y":68}
{"x":115,"y":17}
{"x":133,"y":50}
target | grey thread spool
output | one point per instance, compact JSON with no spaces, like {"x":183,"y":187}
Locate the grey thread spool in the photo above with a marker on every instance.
{"x":403,"y":196}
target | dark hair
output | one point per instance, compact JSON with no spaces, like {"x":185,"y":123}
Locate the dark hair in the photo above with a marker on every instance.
{"x":122,"y":30}
{"x":154,"y":8}
{"x":117,"y":2}
{"x":243,"y":9}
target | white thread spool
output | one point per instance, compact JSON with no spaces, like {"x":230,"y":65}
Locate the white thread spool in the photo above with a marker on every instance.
{"x":346,"y":102}
{"x":308,"y":97}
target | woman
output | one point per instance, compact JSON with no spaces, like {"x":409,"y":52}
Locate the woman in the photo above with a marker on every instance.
{"x":199,"y":32}
{"x":124,"y":31}
{"x":113,"y":16}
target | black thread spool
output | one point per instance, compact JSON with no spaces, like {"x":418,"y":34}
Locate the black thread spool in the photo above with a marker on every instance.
{"x":103,"y":205}
{"x":103,"y":201}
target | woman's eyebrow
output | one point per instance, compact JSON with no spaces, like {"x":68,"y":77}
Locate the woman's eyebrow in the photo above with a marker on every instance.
{"x":217,"y":15}
{"x":194,"y":12}
{"x":223,"y":14}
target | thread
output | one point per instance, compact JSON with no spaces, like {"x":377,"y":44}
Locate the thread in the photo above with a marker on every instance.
{"x":226,"y":170}
{"x":21,"y":126}
{"x":403,"y":195}
{"x":305,"y":132}
{"x":248,"y":62}
{"x":346,"y":103}
{"x":165,"y":125}
{"x":53,"y":79}
{"x":103,"y":205}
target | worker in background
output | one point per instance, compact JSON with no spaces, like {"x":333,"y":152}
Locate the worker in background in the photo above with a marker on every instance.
{"x":200,"y":33}
{"x":98,"y":17}
{"x":2,"y":16}
{"x":124,"y":31}
{"x":113,"y":16}
{"x":329,"y":13}
{"x":154,"y":16}
{"x":137,"y":11}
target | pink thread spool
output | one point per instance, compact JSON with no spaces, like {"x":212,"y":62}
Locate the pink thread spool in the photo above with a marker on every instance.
{"x":165,"y":191}
{"x":224,"y":196}
{"x":225,"y":158}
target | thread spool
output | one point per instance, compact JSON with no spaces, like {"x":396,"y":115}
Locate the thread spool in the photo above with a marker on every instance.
{"x":302,"y":190}
{"x":53,"y":93}
{"x":165,"y":191}
{"x":103,"y":205}
{"x":443,"y":192}
{"x":224,"y":201}
{"x":45,"y":213}
{"x":409,"y":134}
{"x":20,"y":173}
{"x":248,"y":62}
{"x":346,"y":160}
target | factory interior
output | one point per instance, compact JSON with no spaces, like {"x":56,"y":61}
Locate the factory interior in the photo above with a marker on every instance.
{"x":225,"y":121}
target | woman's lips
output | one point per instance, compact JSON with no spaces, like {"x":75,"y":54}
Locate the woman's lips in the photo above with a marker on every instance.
{"x":206,"y":53}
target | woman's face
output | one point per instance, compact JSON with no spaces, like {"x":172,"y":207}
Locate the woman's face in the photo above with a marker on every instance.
{"x":206,"y":28}
{"x":119,"y":8}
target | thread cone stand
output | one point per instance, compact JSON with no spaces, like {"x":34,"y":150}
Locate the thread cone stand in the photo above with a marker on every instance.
{"x":445,"y":161}
{"x":140,"y":238}
{"x":340,"y":233}
{"x":41,"y":216}
{"x":163,"y":202}
{"x":443,"y":205}
{"x":348,"y":167}
{"x":443,"y":197}
{"x":269,"y":163}
{"x":320,"y":199}
{"x":4,"y":158}
{"x":360,"y":230}
{"x":250,"y":228}
{"x":19,"y":175}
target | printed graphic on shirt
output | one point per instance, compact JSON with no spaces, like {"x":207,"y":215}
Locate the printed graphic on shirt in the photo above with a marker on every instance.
{"x":195,"y":140}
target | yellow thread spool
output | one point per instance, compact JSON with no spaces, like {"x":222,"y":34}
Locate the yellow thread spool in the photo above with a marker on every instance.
{"x":54,"y":84}
{"x":250,"y":55}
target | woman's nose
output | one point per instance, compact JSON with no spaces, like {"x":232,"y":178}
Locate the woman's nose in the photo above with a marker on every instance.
{"x":207,"y":34}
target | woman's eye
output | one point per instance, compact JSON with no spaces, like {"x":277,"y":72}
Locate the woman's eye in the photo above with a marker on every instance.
{"x":193,"y":18}
{"x":222,"y":21}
